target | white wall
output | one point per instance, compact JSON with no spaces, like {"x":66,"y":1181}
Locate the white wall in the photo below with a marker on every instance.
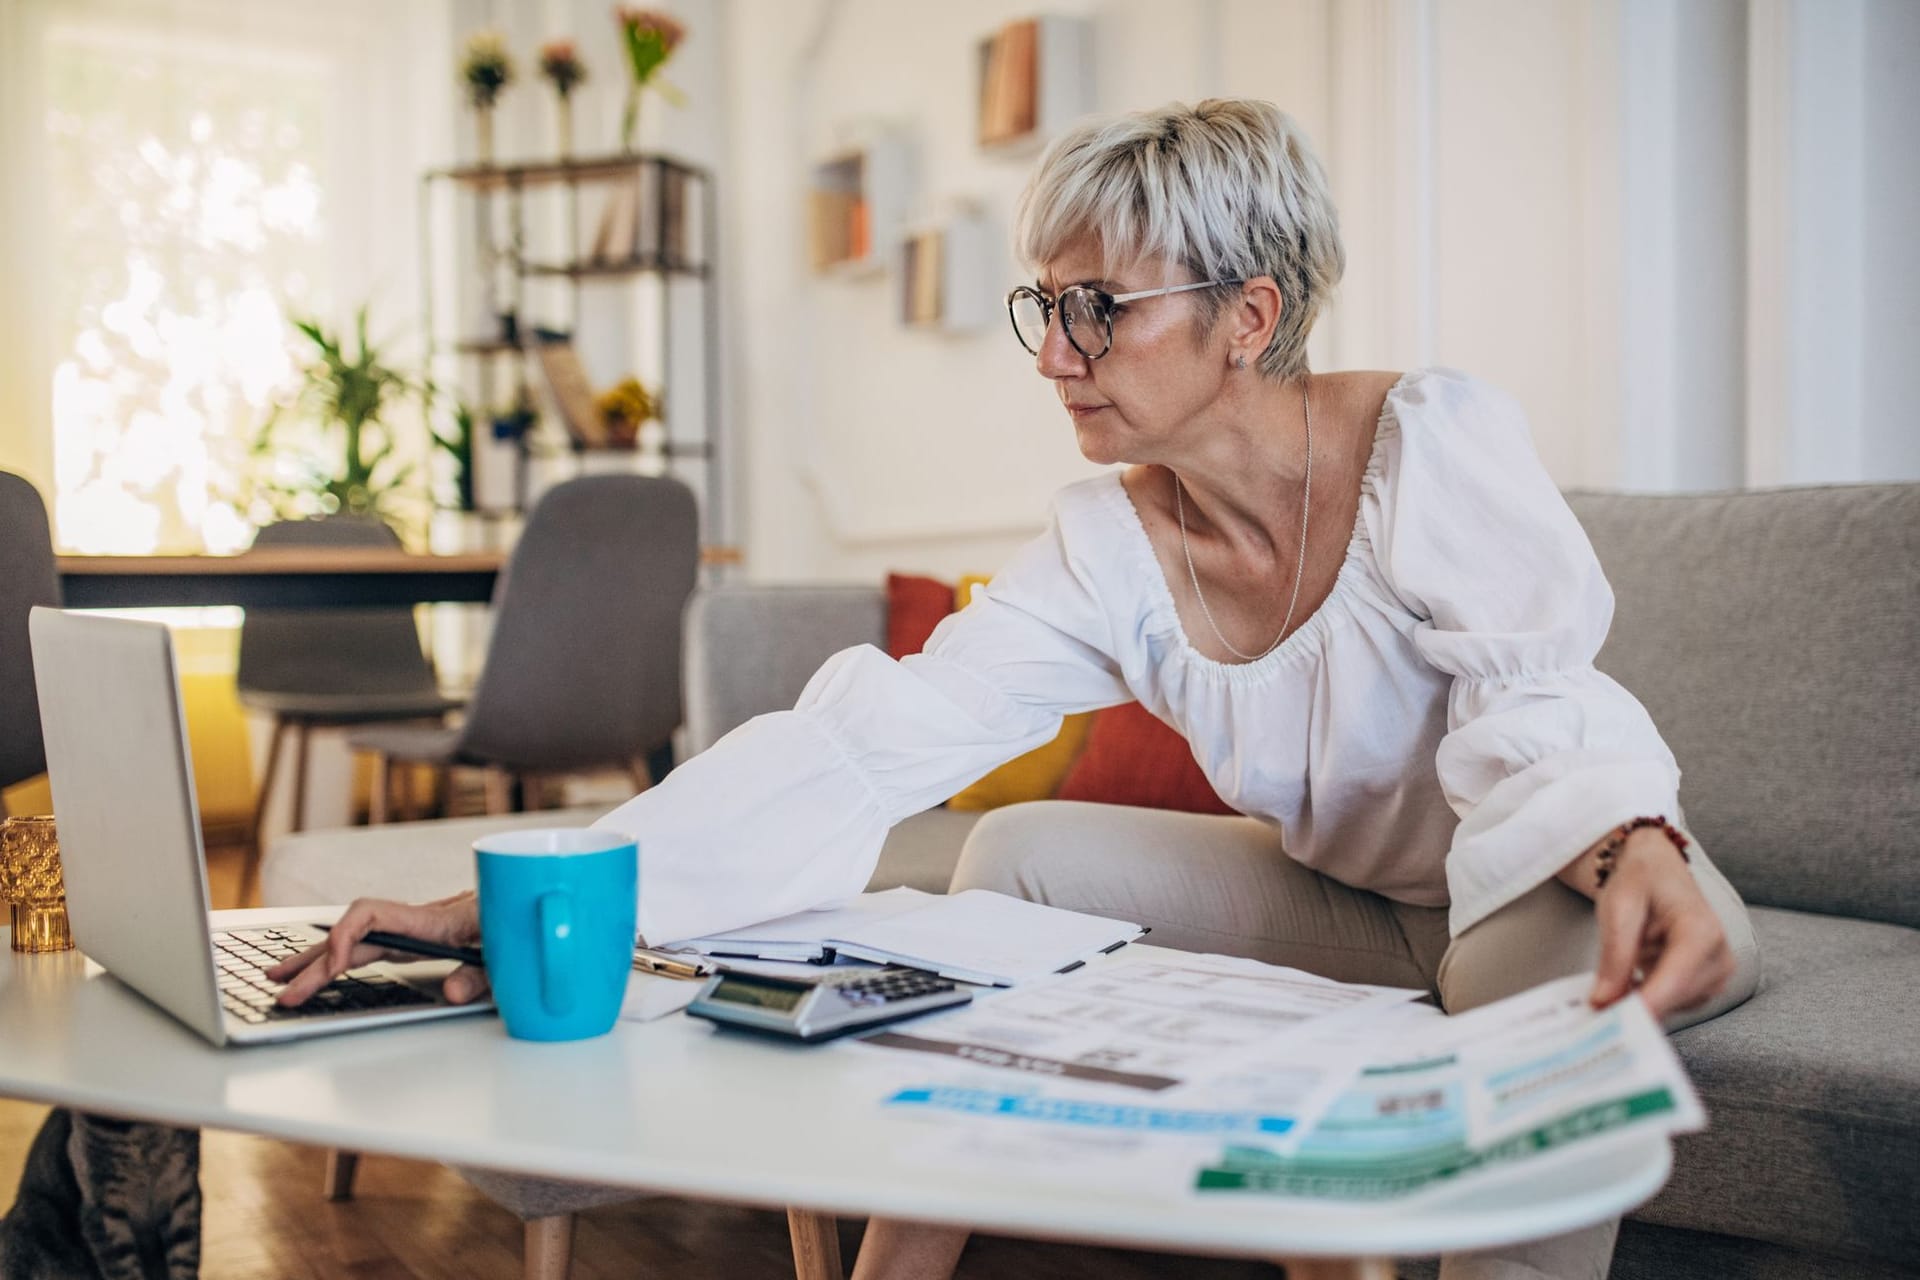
{"x":1631,"y":213}
{"x":1890,"y":206}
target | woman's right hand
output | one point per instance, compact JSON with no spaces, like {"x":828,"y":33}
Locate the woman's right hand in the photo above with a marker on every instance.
{"x":454,"y":920}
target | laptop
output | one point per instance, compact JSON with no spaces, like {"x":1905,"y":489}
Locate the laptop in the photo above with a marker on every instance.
{"x":130,"y":848}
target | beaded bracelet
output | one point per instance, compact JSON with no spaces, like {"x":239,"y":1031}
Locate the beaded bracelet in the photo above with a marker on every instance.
{"x":1603,"y":860}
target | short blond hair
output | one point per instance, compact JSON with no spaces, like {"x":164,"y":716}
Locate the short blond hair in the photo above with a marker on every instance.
{"x":1228,"y":188}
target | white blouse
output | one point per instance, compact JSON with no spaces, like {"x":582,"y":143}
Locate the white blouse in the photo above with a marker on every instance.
{"x":1435,"y":732}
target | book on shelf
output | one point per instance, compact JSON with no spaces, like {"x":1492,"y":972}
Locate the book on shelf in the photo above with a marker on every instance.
{"x":572,"y":390}
{"x":975,"y":935}
{"x":859,"y":230}
{"x":922,"y":270}
{"x":673,"y":187}
{"x":1009,"y":82}
{"x":840,"y":231}
{"x":619,"y":223}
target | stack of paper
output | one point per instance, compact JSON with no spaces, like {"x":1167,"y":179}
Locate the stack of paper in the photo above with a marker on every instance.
{"x":972,"y":936}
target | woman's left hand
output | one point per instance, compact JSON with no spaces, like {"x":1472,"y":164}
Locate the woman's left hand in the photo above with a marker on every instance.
{"x":1655,"y":921}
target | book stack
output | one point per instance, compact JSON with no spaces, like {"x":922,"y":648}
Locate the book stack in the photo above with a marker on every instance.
{"x":1009,"y":82}
{"x":921,"y":273}
{"x":841,"y":228}
{"x":649,"y":220}
{"x":572,"y":391}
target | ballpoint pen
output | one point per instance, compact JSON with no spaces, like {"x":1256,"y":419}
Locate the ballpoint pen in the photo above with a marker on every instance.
{"x":672,"y":966}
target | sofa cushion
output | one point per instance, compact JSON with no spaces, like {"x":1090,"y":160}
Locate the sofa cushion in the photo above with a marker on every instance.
{"x":1812,"y":1090}
{"x":405,"y":861}
{"x":922,"y":851}
{"x":915,"y":606}
{"x":420,"y":861}
{"x":1133,"y":757}
{"x":725,"y":689}
{"x":1775,"y":638}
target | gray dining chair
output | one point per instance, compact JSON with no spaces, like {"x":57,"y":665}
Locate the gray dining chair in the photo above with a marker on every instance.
{"x":583,"y":668}
{"x":328,"y":668}
{"x":28,"y":577}
{"x":582,"y":672}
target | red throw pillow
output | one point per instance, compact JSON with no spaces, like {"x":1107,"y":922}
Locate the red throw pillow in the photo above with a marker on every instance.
{"x":1132,"y":757}
{"x":915,"y":607}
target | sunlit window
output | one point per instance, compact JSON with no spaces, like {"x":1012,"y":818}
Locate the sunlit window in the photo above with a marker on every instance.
{"x":187,"y":194}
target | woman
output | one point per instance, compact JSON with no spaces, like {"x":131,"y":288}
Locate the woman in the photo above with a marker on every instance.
{"x":1358,"y":595}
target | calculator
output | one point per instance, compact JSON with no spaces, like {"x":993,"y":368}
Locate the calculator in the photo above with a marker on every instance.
{"x":837,"y":1003}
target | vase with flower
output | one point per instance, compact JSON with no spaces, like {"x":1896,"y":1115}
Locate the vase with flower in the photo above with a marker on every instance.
{"x":560,"y":63}
{"x":486,"y":69}
{"x":626,"y":407}
{"x":649,"y":37}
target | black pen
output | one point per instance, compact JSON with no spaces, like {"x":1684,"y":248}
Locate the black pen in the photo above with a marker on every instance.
{"x":418,"y":946}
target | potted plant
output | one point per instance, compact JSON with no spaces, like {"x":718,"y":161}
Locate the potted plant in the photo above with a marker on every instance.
{"x":458,"y":446}
{"x":649,"y":38}
{"x":487,"y":69}
{"x":627,"y":406}
{"x":560,"y":64}
{"x":333,"y":444}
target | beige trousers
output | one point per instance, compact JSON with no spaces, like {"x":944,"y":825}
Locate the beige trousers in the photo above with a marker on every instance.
{"x":1206,"y":883}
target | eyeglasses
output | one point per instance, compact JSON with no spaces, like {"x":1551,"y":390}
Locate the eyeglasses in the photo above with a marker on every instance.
{"x":1085,"y":312}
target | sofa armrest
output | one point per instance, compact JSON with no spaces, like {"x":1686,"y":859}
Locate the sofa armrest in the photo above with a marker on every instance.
{"x":751,"y":649}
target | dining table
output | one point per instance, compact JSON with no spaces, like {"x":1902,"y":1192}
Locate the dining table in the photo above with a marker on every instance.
{"x":279,"y":578}
{"x":293,"y":578}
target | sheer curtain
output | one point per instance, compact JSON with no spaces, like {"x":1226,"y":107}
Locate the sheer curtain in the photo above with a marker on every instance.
{"x":184,"y":176}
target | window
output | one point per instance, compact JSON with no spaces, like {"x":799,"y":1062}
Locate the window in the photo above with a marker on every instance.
{"x":186,"y":192}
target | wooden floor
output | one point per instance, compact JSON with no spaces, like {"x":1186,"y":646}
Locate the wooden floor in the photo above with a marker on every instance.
{"x":266,"y":1220}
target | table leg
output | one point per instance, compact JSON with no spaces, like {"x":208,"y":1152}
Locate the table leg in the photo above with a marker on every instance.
{"x":338,"y":1181}
{"x":1338,"y":1268}
{"x":549,"y":1248}
{"x":816,"y":1245}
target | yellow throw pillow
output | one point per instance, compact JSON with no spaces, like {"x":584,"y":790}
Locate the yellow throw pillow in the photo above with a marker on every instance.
{"x":1035,"y":775}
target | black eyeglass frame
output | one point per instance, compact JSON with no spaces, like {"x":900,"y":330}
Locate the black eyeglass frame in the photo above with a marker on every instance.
{"x":1103,"y":305}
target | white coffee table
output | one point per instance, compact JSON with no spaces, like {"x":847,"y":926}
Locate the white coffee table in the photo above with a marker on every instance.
{"x":672,"y":1106}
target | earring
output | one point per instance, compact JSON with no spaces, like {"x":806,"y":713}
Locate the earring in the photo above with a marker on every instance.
{"x":1241,"y":363}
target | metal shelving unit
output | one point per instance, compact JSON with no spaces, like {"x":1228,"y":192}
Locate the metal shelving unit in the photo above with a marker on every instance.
{"x":669,"y":234}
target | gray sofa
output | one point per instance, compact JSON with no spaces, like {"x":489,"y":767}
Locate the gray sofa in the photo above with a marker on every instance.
{"x":1775,"y":637}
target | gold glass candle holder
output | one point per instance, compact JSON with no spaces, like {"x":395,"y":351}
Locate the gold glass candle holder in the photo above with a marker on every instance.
{"x":30,"y":880}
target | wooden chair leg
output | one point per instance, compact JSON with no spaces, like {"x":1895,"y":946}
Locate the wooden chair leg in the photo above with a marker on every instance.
{"x":816,"y":1245}
{"x":549,"y":1248}
{"x":642,"y":776}
{"x":443,"y":791}
{"x":340,"y":1170}
{"x":250,"y":869}
{"x":499,"y":789}
{"x":300,"y":744}
{"x":405,"y":771}
{"x":382,"y":781}
{"x":1338,"y":1268}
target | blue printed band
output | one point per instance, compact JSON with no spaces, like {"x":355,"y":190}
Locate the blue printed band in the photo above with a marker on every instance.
{"x":1095,"y":1114}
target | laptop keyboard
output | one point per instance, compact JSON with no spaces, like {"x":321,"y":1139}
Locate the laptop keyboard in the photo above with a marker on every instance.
{"x":243,"y":956}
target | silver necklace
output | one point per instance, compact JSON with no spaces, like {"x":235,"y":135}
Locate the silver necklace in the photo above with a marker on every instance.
{"x":1300,"y":564}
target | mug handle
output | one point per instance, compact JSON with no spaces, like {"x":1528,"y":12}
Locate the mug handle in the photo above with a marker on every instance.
{"x":556,"y":950}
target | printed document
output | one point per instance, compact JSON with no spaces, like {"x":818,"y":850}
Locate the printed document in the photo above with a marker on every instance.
{"x":1098,"y":1075}
{"x":1539,"y":1075}
{"x":1219,"y":1044}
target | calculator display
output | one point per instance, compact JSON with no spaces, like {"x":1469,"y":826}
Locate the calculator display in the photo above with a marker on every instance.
{"x":838,"y":1002}
{"x":764,"y":996}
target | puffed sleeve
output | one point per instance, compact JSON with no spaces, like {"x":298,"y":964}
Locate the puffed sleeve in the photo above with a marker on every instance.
{"x":1543,"y":753}
{"x":789,"y":811}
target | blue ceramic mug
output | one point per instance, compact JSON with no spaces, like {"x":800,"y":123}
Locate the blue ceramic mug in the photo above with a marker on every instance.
{"x":556,"y":924}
